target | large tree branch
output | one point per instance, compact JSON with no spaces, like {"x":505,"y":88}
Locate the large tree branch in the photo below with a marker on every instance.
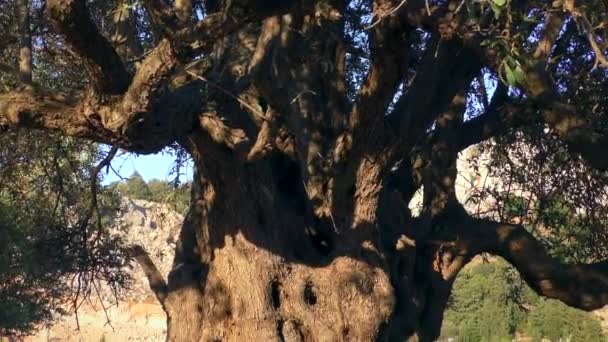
{"x":155,"y":278}
{"x":205,"y":33}
{"x":447,"y":68}
{"x":85,"y":118}
{"x":149,"y":81}
{"x":302,"y":81}
{"x":26,"y":110}
{"x":389,"y":57}
{"x":502,"y":114}
{"x":584,"y":286}
{"x":148,"y":116}
{"x":451,"y":62}
{"x":71,"y":18}
{"x":438,"y":171}
{"x":155,"y":71}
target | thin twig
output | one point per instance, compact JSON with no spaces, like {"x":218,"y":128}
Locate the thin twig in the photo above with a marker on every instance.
{"x":583,"y":22}
{"x":225,"y":91}
{"x":459,"y":6}
{"x":105,"y":310}
{"x":395,"y":9}
{"x":103,"y":163}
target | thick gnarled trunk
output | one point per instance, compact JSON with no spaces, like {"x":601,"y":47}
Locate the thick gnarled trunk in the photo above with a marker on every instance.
{"x":254,"y":264}
{"x":256,"y":261}
{"x":252,"y":294}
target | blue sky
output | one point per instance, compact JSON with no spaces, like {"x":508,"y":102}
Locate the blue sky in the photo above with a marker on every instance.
{"x":149,"y":166}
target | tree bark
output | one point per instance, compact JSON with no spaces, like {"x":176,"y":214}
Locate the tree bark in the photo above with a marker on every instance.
{"x":249,"y":266}
{"x":25,"y":43}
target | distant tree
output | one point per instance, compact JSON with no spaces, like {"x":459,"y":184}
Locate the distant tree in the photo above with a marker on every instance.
{"x":552,"y":320}
{"x":160,"y":190}
{"x":178,"y":197}
{"x":135,"y":187}
{"x":491,"y":303}
{"x":485,"y":304}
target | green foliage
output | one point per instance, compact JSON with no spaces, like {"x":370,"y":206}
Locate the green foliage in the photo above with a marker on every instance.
{"x":498,"y":6}
{"x":485,"y":304}
{"x":553,"y":320}
{"x":571,"y":232}
{"x":135,"y":187}
{"x":514,"y":206}
{"x":512,"y":71}
{"x":491,"y":303}
{"x":177,"y":196}
{"x":46,"y":234}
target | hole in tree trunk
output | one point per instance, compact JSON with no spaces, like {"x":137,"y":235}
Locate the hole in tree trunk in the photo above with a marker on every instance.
{"x":288,"y":178}
{"x":280,"y":324}
{"x":309,"y":294}
{"x":275,"y":294}
{"x":288,"y":181}
{"x":345,"y":332}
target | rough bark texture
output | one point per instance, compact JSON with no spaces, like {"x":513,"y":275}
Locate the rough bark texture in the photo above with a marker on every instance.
{"x":299,"y":228}
{"x":25,"y":42}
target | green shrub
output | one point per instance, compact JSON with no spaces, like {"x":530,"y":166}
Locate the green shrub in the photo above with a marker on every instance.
{"x":491,"y":303}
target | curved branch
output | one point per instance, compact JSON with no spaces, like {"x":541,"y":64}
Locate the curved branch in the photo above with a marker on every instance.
{"x":94,"y":186}
{"x":501,"y":115}
{"x":155,"y":278}
{"x":71,"y":18}
{"x":86,"y":118}
{"x":447,"y":68}
{"x":149,"y":81}
{"x":27,"y":110}
{"x":389,"y":57}
{"x":584,"y":286}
